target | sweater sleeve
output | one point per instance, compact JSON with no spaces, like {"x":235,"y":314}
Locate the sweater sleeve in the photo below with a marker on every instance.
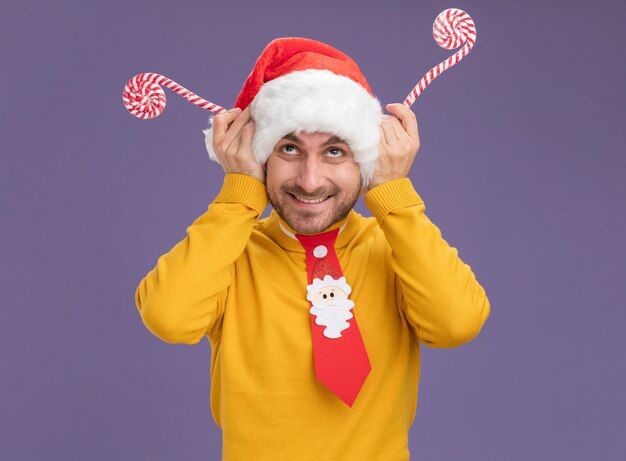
{"x":438,"y":293}
{"x":183,"y":297}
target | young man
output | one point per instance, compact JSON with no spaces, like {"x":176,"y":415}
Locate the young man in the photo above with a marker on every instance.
{"x":315,"y":315}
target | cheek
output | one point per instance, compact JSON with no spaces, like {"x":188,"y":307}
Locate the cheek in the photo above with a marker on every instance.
{"x":277,"y":172}
{"x":273,"y":180}
{"x":271,"y":172}
{"x":349,"y":177}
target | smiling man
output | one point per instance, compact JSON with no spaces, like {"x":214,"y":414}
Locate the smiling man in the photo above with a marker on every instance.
{"x":313,"y":180}
{"x":315,"y":314}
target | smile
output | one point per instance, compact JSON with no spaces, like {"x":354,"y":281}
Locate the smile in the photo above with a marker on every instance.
{"x":310,"y":201}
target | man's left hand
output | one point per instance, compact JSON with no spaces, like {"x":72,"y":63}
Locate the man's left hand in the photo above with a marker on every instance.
{"x":399,"y":143}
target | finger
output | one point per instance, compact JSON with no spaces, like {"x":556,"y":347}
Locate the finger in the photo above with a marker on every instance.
{"x":235,"y":149}
{"x":388,"y":131}
{"x":233,"y":130}
{"x":225,"y":152}
{"x":406,"y":117}
{"x":398,"y":128}
{"x":221,"y":122}
{"x":232,"y":148}
{"x":245,"y":144}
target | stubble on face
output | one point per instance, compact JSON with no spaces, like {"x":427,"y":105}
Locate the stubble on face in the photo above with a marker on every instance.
{"x":312,"y":222}
{"x":312,"y":180}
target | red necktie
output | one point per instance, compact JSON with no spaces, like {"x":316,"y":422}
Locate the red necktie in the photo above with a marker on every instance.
{"x":341,"y":361}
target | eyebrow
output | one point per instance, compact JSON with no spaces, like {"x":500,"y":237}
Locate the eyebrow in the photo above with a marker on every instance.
{"x":332,"y":140}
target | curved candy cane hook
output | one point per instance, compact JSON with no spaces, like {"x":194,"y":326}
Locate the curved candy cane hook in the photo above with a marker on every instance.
{"x":144,"y":97}
{"x":451,"y":28}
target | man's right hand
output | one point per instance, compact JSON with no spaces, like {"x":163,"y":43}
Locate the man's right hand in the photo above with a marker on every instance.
{"x":232,"y":143}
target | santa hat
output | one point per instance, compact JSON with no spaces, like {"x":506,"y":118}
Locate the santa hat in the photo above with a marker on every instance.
{"x":302,"y":85}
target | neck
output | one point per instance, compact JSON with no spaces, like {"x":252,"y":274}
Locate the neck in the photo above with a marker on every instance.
{"x":275,"y":228}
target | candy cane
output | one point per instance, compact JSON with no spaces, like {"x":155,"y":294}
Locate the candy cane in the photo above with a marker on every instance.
{"x":144,"y":97}
{"x":451,"y":28}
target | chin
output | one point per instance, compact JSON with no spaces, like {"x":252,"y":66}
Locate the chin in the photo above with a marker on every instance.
{"x":306,"y":223}
{"x":309,"y":219}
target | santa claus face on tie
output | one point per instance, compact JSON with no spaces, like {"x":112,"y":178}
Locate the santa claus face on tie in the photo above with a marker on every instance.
{"x":330,"y":304}
{"x":328,"y":296}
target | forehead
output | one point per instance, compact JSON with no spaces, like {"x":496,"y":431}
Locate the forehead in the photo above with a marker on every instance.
{"x":316,"y":138}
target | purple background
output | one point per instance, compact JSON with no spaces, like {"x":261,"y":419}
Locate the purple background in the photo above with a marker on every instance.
{"x":522,"y":166}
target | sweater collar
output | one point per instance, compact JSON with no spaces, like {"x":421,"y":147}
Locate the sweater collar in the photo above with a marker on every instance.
{"x":279,"y":231}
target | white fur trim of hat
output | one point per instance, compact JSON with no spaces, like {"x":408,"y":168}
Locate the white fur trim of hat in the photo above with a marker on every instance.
{"x":314,"y":100}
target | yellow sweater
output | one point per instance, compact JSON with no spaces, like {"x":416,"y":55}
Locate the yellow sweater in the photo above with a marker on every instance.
{"x":242,"y":282}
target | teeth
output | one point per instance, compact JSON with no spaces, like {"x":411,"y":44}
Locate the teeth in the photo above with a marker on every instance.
{"x":319,"y":200}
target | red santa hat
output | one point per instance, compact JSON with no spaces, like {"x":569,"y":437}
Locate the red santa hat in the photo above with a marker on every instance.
{"x":302,"y":85}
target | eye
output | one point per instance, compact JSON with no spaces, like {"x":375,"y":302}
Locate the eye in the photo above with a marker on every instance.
{"x":332,"y":295}
{"x":335,"y":152}
{"x":288,"y":149}
{"x":325,"y":296}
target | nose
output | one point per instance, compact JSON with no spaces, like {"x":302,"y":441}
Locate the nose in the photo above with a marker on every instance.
{"x":311,"y":174}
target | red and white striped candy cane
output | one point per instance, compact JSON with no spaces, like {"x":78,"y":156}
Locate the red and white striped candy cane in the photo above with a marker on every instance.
{"x":451,"y":28}
{"x":144,"y":97}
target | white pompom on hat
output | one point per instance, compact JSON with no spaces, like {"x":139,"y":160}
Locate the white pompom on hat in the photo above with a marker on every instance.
{"x":302,"y":85}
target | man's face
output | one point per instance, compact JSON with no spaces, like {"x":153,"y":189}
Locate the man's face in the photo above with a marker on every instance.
{"x":313,"y":180}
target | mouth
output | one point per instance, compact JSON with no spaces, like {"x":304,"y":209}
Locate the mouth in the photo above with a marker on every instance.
{"x":309,"y":200}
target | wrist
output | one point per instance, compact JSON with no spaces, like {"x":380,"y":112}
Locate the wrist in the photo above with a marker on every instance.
{"x":391,"y":195}
{"x":245,"y":189}
{"x":375,"y":182}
